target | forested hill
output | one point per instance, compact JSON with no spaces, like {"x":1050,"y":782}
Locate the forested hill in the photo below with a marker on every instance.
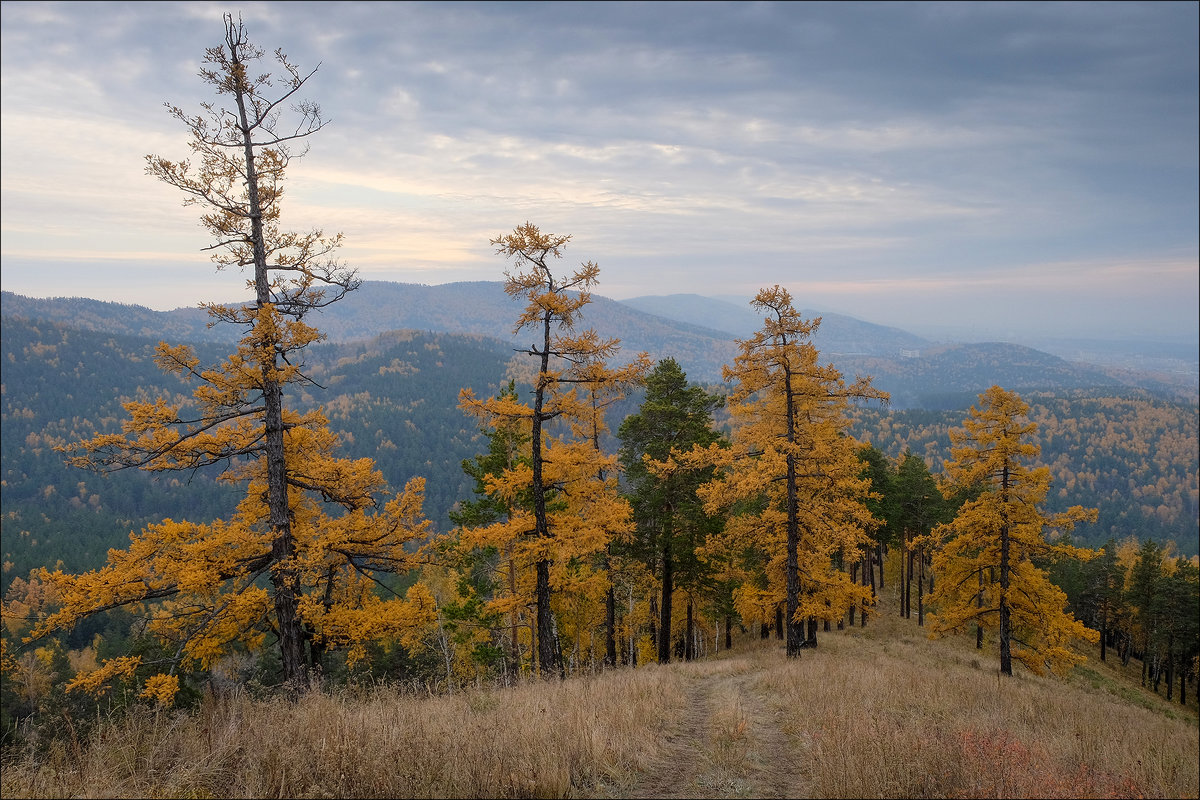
{"x":917,"y":373}
{"x":394,"y":398}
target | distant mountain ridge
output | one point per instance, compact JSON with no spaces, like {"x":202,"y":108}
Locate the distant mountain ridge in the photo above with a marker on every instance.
{"x":698,"y":332}
{"x":837,"y":334}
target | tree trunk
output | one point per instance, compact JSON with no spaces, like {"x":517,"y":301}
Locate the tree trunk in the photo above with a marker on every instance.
{"x":1103,"y":630}
{"x":979,"y":604}
{"x":1170,"y":668}
{"x":868,"y":574}
{"x":654,"y":621}
{"x":779,"y":629}
{"x":632,"y":642}
{"x":812,"y":632}
{"x":879,"y":560}
{"x":853,"y":579}
{"x":921,"y":587}
{"x":668,"y":589}
{"x":610,"y":626}
{"x":548,"y":659}
{"x":728,"y":632}
{"x":285,"y":582}
{"x":689,"y":648}
{"x":794,"y":633}
{"x":514,"y":642}
{"x":1005,"y":618}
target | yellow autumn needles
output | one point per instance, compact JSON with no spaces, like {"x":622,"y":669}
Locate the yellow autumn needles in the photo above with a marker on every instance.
{"x":281,"y":571}
{"x":984,"y":558}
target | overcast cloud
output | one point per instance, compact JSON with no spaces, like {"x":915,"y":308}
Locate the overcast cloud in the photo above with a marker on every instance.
{"x":987,"y":167}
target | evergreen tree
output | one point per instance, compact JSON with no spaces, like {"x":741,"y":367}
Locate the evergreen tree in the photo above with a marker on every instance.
{"x":671,"y":522}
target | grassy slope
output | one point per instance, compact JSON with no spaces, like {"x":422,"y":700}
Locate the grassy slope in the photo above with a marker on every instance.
{"x":879,"y":711}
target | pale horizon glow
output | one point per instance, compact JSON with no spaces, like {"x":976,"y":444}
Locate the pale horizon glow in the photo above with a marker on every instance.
{"x":995,"y":168}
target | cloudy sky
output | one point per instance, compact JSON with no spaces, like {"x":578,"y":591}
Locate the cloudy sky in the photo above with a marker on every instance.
{"x":981,"y":168}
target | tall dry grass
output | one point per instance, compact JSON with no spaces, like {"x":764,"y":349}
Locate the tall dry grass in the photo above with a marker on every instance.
{"x":883,"y":712}
{"x":534,"y":740}
{"x":875,"y":712}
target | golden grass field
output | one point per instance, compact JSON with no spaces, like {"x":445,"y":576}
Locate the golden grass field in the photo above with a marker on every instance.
{"x":879,"y":711}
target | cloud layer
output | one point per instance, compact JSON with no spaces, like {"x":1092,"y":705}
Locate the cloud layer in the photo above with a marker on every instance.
{"x":1003,"y":166}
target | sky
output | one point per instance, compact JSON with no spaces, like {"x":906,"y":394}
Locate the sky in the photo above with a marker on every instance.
{"x":984,"y":170}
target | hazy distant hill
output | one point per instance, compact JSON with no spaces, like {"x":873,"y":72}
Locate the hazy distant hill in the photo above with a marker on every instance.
{"x":915,"y":371}
{"x":182,"y":324}
{"x":837,"y":335}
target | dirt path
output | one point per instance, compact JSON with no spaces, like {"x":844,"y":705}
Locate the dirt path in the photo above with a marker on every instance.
{"x":727,"y":742}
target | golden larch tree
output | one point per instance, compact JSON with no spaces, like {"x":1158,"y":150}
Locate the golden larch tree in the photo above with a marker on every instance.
{"x":795,"y":469}
{"x":280,"y":570}
{"x":569,"y":505}
{"x":984,"y":559}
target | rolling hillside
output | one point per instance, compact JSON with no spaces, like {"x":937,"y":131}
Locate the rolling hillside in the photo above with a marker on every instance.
{"x":394,"y":398}
{"x":916,"y":372}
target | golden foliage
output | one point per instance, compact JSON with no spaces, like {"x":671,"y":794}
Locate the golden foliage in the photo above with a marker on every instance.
{"x":984,"y":559}
{"x":792,"y":476}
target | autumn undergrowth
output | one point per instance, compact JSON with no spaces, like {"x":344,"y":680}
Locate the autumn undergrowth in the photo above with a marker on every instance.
{"x":874,"y":712}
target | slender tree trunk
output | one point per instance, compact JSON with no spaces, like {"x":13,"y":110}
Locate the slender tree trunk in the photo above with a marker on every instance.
{"x":689,"y":648}
{"x":764,"y":630}
{"x":1170,"y":668}
{"x":1103,"y":630}
{"x":632,"y":641}
{"x":558,"y":654}
{"x":654,"y":621}
{"x":1005,"y":613}
{"x":514,"y":641}
{"x":921,"y":586}
{"x":879,"y":560}
{"x":868,"y":574}
{"x":728,"y":632}
{"x":549,"y":662}
{"x":610,"y":626}
{"x":779,"y":624}
{"x":794,"y":635}
{"x":979,"y":604}
{"x":285,"y":582}
{"x":812,"y":632}
{"x":853,"y":579}
{"x":668,"y":590}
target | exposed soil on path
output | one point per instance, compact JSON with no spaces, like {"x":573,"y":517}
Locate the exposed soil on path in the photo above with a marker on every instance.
{"x":726,"y":741}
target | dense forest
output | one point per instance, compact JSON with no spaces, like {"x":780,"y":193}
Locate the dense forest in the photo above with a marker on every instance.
{"x":393,"y":398}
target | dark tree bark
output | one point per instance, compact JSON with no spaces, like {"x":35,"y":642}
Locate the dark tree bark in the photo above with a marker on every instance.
{"x":668,"y":591}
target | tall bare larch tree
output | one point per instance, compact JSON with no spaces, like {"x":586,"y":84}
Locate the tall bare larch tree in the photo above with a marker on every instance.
{"x":204,"y":582}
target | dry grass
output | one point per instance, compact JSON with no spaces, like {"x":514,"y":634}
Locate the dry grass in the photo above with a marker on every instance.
{"x":875,"y":712}
{"x":915,"y":718}
{"x":536,"y":740}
